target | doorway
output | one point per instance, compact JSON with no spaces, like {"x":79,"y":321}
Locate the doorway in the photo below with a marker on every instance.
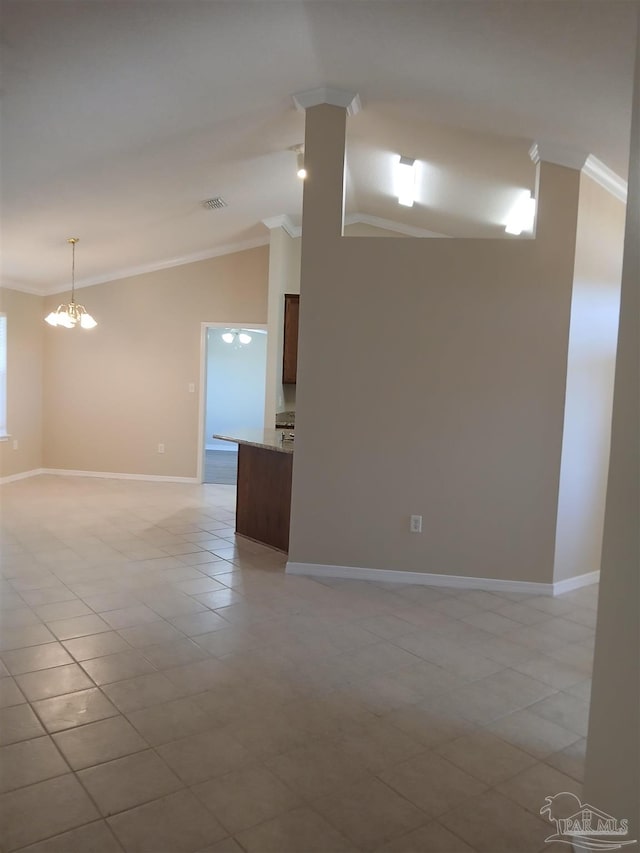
{"x":234,"y":384}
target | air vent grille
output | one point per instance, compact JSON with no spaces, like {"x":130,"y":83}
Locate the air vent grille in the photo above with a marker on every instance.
{"x":214,"y":203}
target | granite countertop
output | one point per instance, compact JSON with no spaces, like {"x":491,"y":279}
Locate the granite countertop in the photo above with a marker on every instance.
{"x":269,"y":439}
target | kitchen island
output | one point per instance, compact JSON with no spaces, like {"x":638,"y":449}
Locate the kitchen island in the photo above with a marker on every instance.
{"x":263,"y":494}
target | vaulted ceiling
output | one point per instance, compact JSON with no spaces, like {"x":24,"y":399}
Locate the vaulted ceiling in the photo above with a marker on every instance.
{"x":119,"y":117}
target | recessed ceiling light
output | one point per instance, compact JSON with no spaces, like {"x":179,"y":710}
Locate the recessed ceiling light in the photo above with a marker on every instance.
{"x":406,"y":181}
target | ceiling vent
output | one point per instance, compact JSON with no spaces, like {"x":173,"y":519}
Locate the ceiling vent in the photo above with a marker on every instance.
{"x":214,"y":203}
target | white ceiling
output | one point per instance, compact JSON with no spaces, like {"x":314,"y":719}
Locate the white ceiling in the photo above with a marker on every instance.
{"x":120,"y":117}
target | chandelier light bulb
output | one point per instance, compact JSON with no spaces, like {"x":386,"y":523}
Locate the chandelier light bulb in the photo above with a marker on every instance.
{"x":244,"y":338}
{"x":227,"y":337}
{"x":72,"y":314}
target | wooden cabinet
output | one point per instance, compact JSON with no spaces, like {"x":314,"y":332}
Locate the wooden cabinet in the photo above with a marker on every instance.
{"x":290,"y":343}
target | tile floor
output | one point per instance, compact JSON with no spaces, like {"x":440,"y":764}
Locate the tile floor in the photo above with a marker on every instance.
{"x":167,"y":689}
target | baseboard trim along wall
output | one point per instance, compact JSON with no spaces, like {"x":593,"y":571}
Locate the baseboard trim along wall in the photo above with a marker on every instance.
{"x":11,"y":478}
{"x":453,"y":581}
{"x":577,"y":582}
{"x":106,"y":475}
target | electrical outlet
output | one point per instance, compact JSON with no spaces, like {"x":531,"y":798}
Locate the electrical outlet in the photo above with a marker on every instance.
{"x":415,"y":524}
{"x":192,"y":387}
{"x":15,"y":443}
{"x":161,"y":448}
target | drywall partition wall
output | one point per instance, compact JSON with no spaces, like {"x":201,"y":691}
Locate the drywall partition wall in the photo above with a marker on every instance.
{"x":284,"y":277}
{"x":25,"y":334}
{"x":612,"y":774}
{"x":446,"y":361}
{"x":114,"y":393}
{"x":595,"y":306}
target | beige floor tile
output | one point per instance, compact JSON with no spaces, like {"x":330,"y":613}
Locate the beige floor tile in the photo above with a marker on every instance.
{"x":39,"y":811}
{"x":128,"y":782}
{"x":198,"y":676}
{"x":150,"y":634}
{"x":19,"y":638}
{"x":486,"y":756}
{"x":170,"y":721}
{"x":491,"y":823}
{"x":96,"y":645}
{"x":533,"y":734}
{"x":199,"y":623}
{"x":570,"y":760}
{"x":246,"y":797}
{"x":35,"y":658}
{"x":78,"y":626}
{"x":53,"y":682}
{"x":204,"y":756}
{"x":227,"y":845}
{"x":178,"y":823}
{"x":93,"y":837}
{"x":293,"y":832}
{"x":379,"y":744}
{"x":62,"y":610}
{"x":128,"y":617}
{"x":168,"y":655}
{"x":29,"y":761}
{"x":141,"y":692}
{"x":564,"y":710}
{"x":118,"y":667}
{"x":370,"y":813}
{"x":97,"y":742}
{"x":432,"y":838}
{"x":428,"y":727}
{"x":551,"y":671}
{"x":317,"y":769}
{"x":19,"y":617}
{"x":18,"y":723}
{"x":516,"y":688}
{"x":432,"y":783}
{"x":10,"y":693}
{"x":530,"y":787}
{"x":74,"y":709}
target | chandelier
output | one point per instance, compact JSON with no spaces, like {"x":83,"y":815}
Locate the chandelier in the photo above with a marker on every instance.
{"x":72,"y":314}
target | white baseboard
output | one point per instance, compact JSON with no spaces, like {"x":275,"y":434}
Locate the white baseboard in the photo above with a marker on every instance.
{"x":11,"y":478}
{"x":419,"y":578}
{"x":108,"y":475}
{"x":577,"y":582}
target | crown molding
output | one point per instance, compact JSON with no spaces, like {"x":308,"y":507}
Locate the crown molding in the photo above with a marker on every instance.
{"x":128,"y":272}
{"x":350,"y":101}
{"x":606,"y":177}
{"x":390,"y":225}
{"x":589,"y":165}
{"x":561,"y":155}
{"x":21,"y":288}
{"x":284,"y":222}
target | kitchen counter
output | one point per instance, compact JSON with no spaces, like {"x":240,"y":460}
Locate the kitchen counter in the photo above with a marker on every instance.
{"x":263,"y":493}
{"x":269,"y":439}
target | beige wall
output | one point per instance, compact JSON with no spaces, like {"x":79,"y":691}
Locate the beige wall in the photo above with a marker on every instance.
{"x":595,"y":306}
{"x":431,"y":381}
{"x":25,"y":314}
{"x":612,"y":780}
{"x":114,"y":393}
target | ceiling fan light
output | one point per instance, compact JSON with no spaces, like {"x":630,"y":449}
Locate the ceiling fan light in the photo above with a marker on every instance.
{"x":227,"y":337}
{"x":244,"y":338}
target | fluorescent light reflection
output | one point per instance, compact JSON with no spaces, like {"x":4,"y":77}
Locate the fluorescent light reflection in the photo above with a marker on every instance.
{"x":522,"y":215}
{"x":406,"y":181}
